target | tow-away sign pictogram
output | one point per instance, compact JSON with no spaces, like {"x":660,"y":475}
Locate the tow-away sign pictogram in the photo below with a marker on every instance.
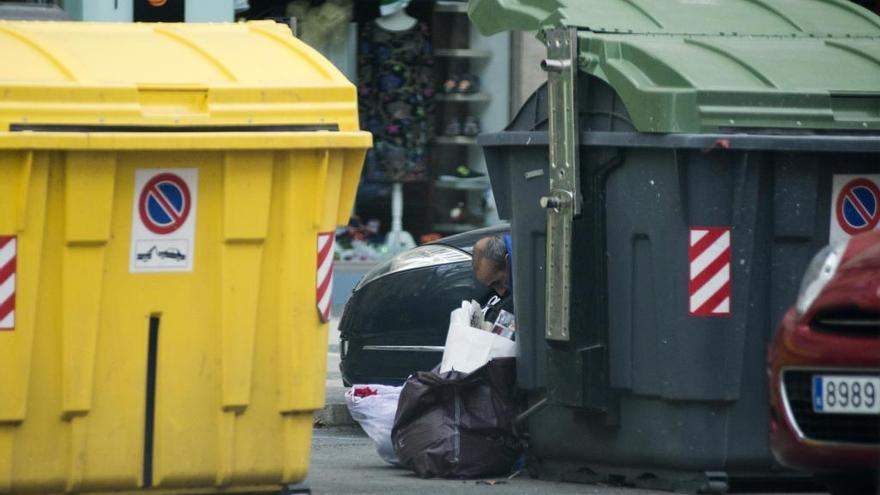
{"x":163,"y":220}
{"x":855,"y":205}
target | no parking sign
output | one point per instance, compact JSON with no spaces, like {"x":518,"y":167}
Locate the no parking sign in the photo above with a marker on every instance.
{"x":164,"y":203}
{"x":163,"y":220}
{"x":855,"y":205}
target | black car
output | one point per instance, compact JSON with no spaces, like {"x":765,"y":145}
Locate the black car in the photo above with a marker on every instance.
{"x":396,"y":319}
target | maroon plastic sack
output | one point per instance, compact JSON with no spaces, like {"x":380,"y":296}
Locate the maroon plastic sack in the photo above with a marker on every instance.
{"x":457,"y":425}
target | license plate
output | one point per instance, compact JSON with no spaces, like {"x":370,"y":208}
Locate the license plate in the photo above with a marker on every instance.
{"x":846,"y":394}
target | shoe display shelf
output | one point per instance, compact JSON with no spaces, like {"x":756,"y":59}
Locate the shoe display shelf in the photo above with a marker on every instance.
{"x":464,"y":98}
{"x":473,"y":89}
{"x":456,"y":228}
{"x":456,"y":140}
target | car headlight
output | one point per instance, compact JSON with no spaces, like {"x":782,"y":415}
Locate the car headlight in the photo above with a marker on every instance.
{"x":419,"y":257}
{"x":819,"y":272}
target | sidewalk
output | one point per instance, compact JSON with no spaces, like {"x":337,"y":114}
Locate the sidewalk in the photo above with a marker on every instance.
{"x":335,"y":412}
{"x":344,"y":459}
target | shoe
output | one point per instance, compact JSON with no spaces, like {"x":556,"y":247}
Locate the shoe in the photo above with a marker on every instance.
{"x":456,"y":214}
{"x":451,"y":85}
{"x":468,"y":84}
{"x":471,"y":126}
{"x":453,"y":128}
{"x":462,"y":172}
{"x":429,"y":237}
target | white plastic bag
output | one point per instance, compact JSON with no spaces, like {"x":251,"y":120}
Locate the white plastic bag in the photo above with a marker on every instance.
{"x":467,"y":348}
{"x":375,"y":413}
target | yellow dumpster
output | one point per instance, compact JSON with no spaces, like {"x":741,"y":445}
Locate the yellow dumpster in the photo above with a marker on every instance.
{"x":168,"y":194}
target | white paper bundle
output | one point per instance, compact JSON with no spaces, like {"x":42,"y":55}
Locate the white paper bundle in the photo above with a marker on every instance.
{"x":468,"y":348}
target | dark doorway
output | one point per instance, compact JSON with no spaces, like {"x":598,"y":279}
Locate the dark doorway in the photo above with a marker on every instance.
{"x":159,"y":10}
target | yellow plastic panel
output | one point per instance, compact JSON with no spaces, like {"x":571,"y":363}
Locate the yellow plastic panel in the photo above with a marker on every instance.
{"x":127,"y":59}
{"x":36,"y":442}
{"x":26,"y":60}
{"x":241,"y":352}
{"x":167,"y":74}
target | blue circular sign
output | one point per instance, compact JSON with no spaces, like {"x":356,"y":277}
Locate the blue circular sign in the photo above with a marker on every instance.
{"x":858,"y":206}
{"x":164,"y":203}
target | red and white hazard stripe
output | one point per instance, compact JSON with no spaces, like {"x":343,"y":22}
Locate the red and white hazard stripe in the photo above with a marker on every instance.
{"x":709,"y":256}
{"x":326,"y":241}
{"x":8,"y":247}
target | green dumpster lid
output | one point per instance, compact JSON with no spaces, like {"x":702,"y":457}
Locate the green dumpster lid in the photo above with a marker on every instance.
{"x":701,"y":65}
{"x":745,"y":17}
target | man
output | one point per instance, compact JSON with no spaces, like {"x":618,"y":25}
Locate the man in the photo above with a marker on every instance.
{"x":492,"y":266}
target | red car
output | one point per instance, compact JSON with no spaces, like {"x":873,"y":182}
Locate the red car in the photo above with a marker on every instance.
{"x":824,"y":370}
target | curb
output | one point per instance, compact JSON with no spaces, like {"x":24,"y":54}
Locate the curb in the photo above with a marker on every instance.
{"x":334,"y":414}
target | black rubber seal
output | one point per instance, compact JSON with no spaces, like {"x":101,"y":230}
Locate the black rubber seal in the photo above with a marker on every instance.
{"x":150,"y":402}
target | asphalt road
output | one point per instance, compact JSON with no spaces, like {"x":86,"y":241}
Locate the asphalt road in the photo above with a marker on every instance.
{"x":344,"y":461}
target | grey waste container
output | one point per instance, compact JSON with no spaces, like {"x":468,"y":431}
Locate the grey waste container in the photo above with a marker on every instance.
{"x":707,"y":160}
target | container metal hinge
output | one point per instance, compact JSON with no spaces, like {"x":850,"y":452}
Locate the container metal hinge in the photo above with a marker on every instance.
{"x":563,"y":202}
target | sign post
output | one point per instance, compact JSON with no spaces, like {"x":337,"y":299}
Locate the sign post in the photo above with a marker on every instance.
{"x":163,"y":220}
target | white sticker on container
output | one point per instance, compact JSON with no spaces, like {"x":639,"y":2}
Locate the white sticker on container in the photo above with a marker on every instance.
{"x":163,"y":220}
{"x":855,"y":205}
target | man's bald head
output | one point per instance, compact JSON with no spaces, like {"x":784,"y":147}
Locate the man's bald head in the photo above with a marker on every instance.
{"x":490,"y":263}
